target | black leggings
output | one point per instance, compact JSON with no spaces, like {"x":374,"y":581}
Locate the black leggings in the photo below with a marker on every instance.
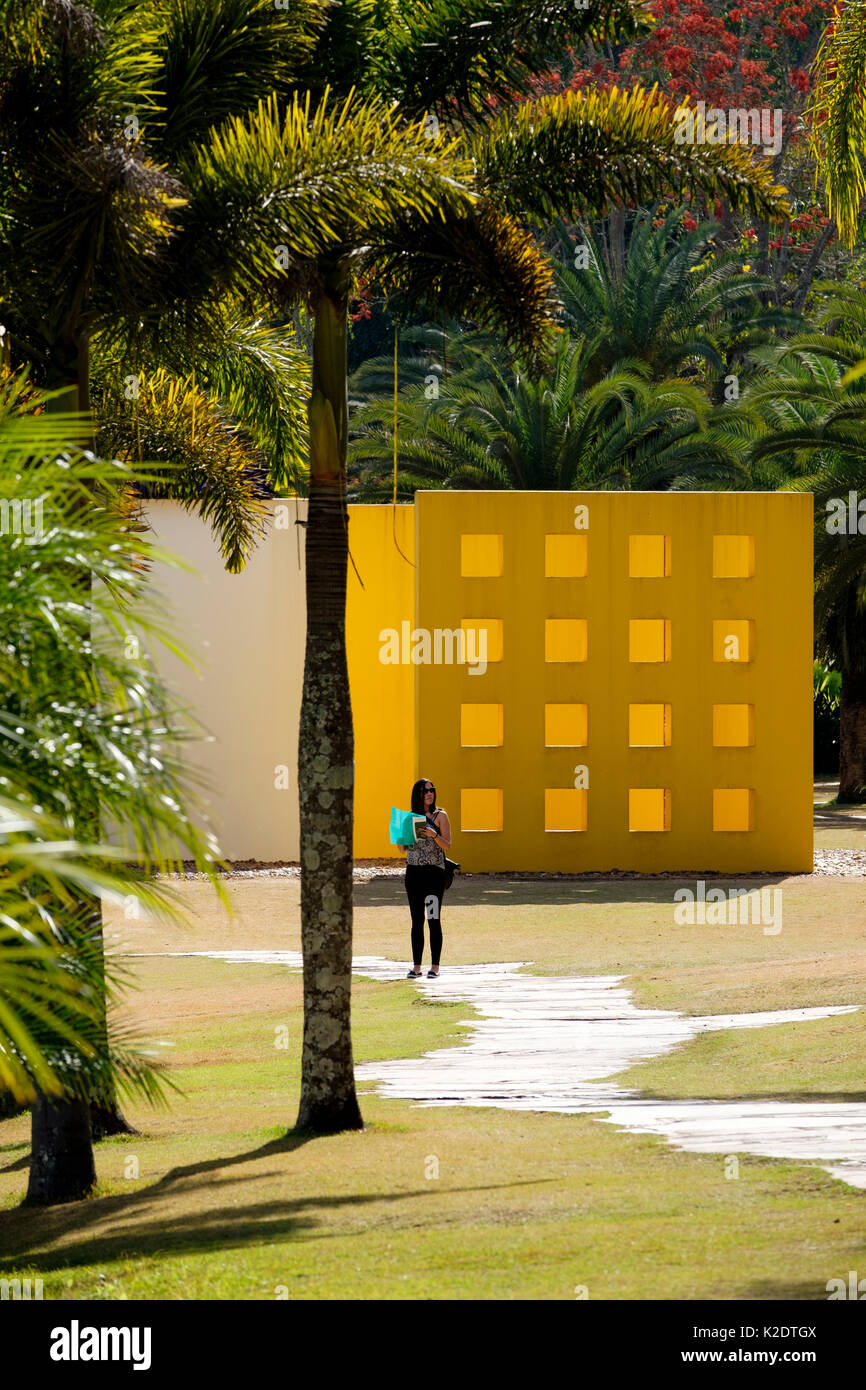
{"x":424,"y":889}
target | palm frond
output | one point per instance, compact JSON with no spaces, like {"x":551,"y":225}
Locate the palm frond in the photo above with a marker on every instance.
{"x":481,"y":265}
{"x":217,"y":58}
{"x":305,"y":183}
{"x":583,"y":151}
{"x":837,"y":115}
{"x":190,"y":452}
{"x":461,"y":57}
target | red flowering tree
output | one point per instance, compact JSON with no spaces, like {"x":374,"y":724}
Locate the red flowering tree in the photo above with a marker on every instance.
{"x":734,"y":55}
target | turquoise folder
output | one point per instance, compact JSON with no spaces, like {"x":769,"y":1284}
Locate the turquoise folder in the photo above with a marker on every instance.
{"x":401,"y":827}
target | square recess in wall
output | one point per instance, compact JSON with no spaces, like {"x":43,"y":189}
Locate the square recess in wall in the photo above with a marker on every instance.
{"x":733,"y":726}
{"x":733,"y":557}
{"x":492,"y":627}
{"x":480,"y":809}
{"x":649,"y":808}
{"x":733,"y":640}
{"x":649,"y":639}
{"x":649,"y":557}
{"x":566,"y":726}
{"x":565,"y":639}
{"x":733,"y":808}
{"x":481,"y":726}
{"x":565,"y":556}
{"x":649,"y":726}
{"x":565,"y":809}
{"x":481,"y":556}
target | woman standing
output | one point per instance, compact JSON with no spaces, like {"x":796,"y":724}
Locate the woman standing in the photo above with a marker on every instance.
{"x":425,"y":876}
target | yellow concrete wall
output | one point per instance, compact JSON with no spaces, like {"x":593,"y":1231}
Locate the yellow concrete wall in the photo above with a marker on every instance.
{"x":382,"y":694}
{"x":576,"y":638}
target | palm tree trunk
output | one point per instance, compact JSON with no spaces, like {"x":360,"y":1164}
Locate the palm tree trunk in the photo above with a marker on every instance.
{"x":62,"y":1134}
{"x":106,"y":1118}
{"x":325,"y":743}
{"x":852,"y":737}
{"x":9,"y":1106}
{"x":61,"y":1165}
{"x":617,"y":255}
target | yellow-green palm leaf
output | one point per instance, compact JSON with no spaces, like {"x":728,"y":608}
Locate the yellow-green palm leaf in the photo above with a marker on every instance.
{"x":584,"y":150}
{"x":838,"y":115}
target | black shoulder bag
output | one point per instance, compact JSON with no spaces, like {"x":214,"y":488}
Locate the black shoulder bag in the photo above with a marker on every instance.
{"x":451,"y":865}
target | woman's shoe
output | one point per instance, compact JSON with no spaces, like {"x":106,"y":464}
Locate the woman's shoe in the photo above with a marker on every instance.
{"x":432,"y":974}
{"x":414,"y":975}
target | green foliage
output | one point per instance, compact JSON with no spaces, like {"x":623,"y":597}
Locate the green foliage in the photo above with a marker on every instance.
{"x":678,"y":304}
{"x":828,"y":685}
{"x":217,"y":60}
{"x":827,"y":700}
{"x":88,"y":740}
{"x":481,"y":266}
{"x":838,"y":115}
{"x":314,"y":180}
{"x":458,"y":58}
{"x":495,"y":425}
{"x":583,"y":151}
{"x":165,"y":155}
{"x":811,"y":409}
{"x":195,"y":456}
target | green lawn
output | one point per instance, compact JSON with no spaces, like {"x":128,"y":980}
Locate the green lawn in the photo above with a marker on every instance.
{"x":523,"y":1206}
{"x":212,"y":1200}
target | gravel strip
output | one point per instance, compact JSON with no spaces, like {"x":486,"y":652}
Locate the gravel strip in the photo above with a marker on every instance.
{"x":829,"y":863}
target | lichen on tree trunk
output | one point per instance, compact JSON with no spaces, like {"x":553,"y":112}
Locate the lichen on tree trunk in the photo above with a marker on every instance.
{"x":325,"y":744}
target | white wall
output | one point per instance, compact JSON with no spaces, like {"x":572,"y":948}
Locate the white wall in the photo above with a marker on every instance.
{"x":246,"y":635}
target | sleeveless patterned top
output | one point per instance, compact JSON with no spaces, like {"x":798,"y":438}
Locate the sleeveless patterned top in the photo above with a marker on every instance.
{"x":426,"y":851}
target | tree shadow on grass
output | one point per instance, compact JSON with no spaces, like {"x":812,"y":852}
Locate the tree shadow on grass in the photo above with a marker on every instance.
{"x":25,"y":1229}
{"x":789,"y":1291}
{"x":19,"y":1164}
{"x":505,"y":890}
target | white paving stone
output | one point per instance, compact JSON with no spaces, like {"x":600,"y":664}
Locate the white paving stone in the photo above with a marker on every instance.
{"x":545,"y":1043}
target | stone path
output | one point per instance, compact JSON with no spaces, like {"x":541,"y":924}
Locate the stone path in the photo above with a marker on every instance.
{"x":546,"y":1043}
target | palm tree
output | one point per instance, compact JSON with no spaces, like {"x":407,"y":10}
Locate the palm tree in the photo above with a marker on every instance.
{"x":222,"y":419}
{"x":676,"y":303}
{"x":837,"y":115}
{"x":484,"y":266}
{"x":147,"y":254}
{"x":494,"y":425}
{"x":298,"y":196}
{"x":51,"y":1042}
{"x":195,"y":455}
{"x":553,"y":156}
{"x":86,"y":730}
{"x":813,"y":412}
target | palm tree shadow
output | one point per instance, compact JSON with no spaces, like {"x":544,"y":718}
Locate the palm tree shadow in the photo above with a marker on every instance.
{"x":18,"y":1165}
{"x":131,"y":1233}
{"x":294,"y":1139}
{"x":286,"y":1144}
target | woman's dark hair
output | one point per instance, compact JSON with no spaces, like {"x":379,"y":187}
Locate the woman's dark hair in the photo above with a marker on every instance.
{"x":418,"y":806}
